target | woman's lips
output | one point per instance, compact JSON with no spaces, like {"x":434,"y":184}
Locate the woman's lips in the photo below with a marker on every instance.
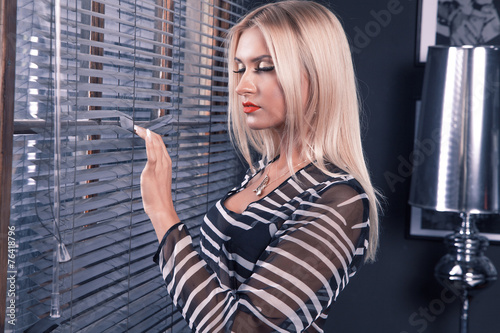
{"x":250,"y":107}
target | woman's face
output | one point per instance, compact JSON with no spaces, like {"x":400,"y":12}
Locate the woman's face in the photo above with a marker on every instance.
{"x":259,"y":90}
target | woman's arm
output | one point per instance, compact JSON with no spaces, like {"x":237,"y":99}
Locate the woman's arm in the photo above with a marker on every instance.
{"x":296,"y":279}
{"x":307,"y":263}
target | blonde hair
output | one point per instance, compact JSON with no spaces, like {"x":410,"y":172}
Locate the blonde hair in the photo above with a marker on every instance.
{"x":305,"y":38}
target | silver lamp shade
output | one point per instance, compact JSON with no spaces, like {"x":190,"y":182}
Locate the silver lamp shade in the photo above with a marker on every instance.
{"x":456,"y":162}
{"x":458,"y":132}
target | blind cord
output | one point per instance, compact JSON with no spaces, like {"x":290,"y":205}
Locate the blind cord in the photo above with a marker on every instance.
{"x":60,"y":253}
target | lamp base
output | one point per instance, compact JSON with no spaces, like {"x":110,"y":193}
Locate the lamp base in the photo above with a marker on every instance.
{"x":465,"y":269}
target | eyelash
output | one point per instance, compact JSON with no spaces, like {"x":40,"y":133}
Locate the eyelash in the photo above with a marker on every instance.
{"x":258,"y":69}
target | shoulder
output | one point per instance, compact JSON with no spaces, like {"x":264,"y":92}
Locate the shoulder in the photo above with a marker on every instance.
{"x":337,"y":189}
{"x":331,"y":179}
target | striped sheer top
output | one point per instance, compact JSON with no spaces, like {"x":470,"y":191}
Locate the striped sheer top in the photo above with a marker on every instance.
{"x":279,"y":265}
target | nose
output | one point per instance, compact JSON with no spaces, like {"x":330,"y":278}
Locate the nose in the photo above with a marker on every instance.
{"x":246,"y":85}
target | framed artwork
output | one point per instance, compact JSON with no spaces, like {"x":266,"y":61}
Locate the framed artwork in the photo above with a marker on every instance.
{"x":425,"y":223}
{"x":457,"y":22}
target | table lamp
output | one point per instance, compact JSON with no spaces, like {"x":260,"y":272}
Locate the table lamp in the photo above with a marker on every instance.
{"x":460,"y":120}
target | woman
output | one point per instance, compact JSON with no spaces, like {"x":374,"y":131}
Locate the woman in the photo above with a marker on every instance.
{"x":276,"y":250}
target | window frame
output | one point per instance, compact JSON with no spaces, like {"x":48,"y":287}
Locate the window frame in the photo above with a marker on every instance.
{"x":8,"y":10}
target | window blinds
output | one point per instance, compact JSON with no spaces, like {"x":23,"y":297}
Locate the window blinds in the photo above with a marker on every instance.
{"x":155,"y":63}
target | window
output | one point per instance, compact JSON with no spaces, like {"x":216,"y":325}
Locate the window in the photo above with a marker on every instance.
{"x":155,"y":63}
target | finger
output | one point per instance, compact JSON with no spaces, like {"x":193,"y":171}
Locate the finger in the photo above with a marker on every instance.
{"x":155,"y":147}
{"x":150,"y":147}
{"x":160,"y":148}
{"x":157,"y":140}
{"x":141,"y":132}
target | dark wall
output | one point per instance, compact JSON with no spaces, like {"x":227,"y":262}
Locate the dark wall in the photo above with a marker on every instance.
{"x":398,"y":293}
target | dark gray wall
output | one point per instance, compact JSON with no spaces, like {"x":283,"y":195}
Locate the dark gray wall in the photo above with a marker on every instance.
{"x":398,"y":293}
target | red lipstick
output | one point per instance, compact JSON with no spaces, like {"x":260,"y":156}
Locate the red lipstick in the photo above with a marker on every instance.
{"x":249,"y":107}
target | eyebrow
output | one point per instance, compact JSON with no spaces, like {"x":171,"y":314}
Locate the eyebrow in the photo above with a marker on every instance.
{"x":257,"y":59}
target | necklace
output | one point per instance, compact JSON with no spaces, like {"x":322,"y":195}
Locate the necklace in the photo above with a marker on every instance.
{"x":265,"y":182}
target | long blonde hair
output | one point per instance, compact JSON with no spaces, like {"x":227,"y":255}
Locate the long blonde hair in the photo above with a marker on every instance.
{"x":305,"y":38}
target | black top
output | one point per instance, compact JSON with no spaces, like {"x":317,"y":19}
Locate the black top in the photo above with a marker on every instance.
{"x":279,"y":265}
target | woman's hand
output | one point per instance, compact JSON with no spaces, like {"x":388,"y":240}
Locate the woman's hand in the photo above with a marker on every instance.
{"x":156,"y":183}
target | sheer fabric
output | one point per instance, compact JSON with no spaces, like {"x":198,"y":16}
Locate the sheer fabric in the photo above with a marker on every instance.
{"x":279,"y":265}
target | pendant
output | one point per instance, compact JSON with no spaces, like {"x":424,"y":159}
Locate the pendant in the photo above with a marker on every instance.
{"x":262,"y":186}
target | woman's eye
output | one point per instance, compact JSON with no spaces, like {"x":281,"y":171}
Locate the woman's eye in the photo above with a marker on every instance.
{"x":262,"y":67}
{"x":265,"y":67}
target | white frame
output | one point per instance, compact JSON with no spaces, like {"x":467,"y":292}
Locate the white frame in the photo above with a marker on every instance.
{"x":417,"y":230}
{"x":427,"y":26}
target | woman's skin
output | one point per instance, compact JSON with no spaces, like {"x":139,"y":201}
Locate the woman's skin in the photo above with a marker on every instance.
{"x":264,"y":105}
{"x":258,"y":83}
{"x":156,"y":183}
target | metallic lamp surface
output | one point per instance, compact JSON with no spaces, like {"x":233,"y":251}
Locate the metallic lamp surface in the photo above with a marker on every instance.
{"x":458,"y":132}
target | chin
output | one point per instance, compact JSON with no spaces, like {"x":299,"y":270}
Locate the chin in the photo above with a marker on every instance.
{"x":257,"y":128}
{"x":259,"y":125}
{"x":254,"y":125}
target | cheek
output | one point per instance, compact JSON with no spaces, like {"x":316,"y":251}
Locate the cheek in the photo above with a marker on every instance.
{"x":277,"y":98}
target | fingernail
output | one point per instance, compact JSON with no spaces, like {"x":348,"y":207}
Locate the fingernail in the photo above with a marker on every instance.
{"x":135,"y":128}
{"x":148,"y":134}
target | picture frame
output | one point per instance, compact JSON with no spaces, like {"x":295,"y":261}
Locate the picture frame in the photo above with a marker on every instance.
{"x":426,"y":29}
{"x":447,"y":22}
{"x":430,"y":224}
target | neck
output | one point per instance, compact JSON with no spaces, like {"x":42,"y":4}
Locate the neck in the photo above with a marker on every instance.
{"x":296,"y":157}
{"x":284,"y":154}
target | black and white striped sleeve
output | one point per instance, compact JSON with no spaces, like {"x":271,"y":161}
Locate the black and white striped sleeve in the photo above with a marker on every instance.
{"x":298,"y":276}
